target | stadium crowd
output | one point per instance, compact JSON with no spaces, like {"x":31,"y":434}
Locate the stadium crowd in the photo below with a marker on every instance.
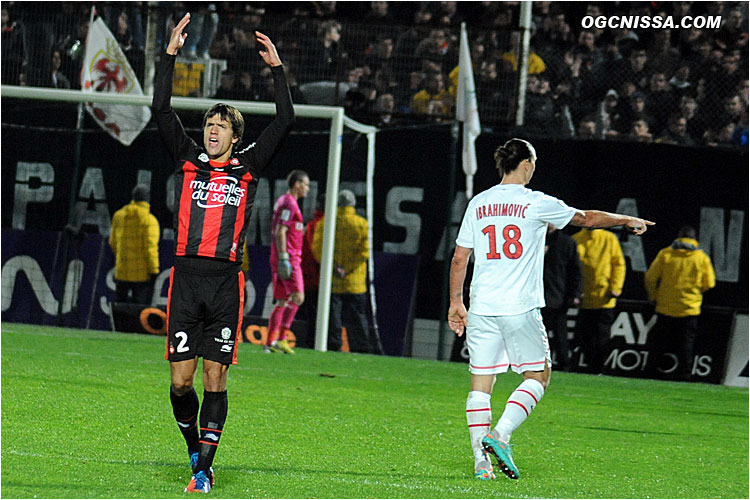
{"x":393,"y":63}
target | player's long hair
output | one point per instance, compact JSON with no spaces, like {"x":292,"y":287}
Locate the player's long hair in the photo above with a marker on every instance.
{"x":227,"y":112}
{"x":511,"y":154}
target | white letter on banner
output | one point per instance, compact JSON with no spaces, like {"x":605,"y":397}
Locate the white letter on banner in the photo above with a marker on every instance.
{"x":410,"y":221}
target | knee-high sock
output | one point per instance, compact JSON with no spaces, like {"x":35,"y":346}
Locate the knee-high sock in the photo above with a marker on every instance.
{"x":479,"y":420}
{"x":185,"y":410}
{"x":520,"y":405}
{"x":286,"y":321}
{"x":213,"y":416}
{"x":274,"y":324}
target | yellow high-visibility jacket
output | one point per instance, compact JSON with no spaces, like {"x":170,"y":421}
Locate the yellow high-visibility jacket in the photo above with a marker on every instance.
{"x":134,"y":239}
{"x":602,"y":265}
{"x":678,"y":277}
{"x":351,"y":250}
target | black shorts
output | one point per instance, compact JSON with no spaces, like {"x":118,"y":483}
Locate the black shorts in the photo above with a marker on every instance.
{"x":204,"y":314}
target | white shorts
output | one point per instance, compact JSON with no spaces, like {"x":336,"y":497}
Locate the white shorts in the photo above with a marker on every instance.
{"x":498,"y":342}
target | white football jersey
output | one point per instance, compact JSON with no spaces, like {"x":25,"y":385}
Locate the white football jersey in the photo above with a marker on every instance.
{"x":506,"y":227}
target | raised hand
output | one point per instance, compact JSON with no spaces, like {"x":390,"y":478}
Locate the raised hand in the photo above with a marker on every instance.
{"x":268,"y":53}
{"x":177,"y":39}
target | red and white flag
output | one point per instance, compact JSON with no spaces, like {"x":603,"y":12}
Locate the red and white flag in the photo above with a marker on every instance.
{"x":106,"y":69}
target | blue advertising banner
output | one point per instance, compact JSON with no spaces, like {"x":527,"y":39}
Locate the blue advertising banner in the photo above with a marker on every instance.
{"x":67,"y":279}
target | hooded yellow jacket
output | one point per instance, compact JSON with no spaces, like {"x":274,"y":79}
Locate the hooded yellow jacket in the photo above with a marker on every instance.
{"x":678,"y":277}
{"x":135,"y":242}
{"x":351,"y":250}
{"x":602,"y":265}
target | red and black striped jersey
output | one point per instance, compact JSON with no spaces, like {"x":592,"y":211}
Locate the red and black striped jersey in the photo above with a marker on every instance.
{"x":213,"y":200}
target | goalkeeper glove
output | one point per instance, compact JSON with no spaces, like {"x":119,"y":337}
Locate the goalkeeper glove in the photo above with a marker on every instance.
{"x":284,"y":267}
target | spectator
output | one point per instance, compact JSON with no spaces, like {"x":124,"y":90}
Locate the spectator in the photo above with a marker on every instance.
{"x":227,"y":86}
{"x":722,"y":136}
{"x":591,"y":55}
{"x":349,"y":286}
{"x":680,"y":81}
{"x":434,"y":52}
{"x":311,"y":267}
{"x":406,"y":44}
{"x":379,"y":56}
{"x":640,"y":132}
{"x":11,"y":47}
{"x":676,"y":281}
{"x":447,"y":15}
{"x":359,"y":101}
{"x":661,"y":100}
{"x":134,"y":239}
{"x":204,"y":22}
{"x":632,"y":69}
{"x":635,"y":111}
{"x":733,"y":108}
{"x":246,"y":86}
{"x":563,"y":287}
{"x":555,"y":32}
{"x":385,"y":107}
{"x":540,"y":107}
{"x":696,"y":123}
{"x":662,"y":56}
{"x":433,"y":99}
{"x":607,"y":116}
{"x":125,"y":35}
{"x":733,"y":34}
{"x":57,"y":79}
{"x":587,"y":128}
{"x":535,"y":63}
{"x":379,"y":14}
{"x":324,"y":56}
{"x":676,"y":132}
{"x":603,"y":267}
{"x":266,"y":92}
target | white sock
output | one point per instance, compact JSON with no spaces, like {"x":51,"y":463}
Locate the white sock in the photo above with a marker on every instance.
{"x":479,"y":420}
{"x":520,"y":405}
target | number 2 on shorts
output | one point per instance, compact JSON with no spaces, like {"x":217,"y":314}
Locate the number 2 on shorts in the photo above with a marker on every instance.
{"x":181,"y":347}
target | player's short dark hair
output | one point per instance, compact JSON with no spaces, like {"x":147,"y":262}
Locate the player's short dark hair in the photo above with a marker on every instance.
{"x":686,"y":232}
{"x":511,"y":154}
{"x":294,"y":177}
{"x":227,"y":112}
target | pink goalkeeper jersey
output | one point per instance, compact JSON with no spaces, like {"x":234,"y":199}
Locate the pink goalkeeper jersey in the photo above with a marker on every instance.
{"x":286,"y":211}
{"x":506,"y":226}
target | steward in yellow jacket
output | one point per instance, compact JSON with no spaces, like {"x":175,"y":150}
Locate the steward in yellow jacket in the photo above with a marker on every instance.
{"x":349,"y":286}
{"x":603,"y":267}
{"x":676,"y":280}
{"x":678,"y":277}
{"x":134,"y":239}
{"x":350,"y":253}
{"x":603,"y":270}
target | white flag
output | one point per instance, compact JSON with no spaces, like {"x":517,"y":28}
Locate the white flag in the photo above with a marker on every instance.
{"x":467,"y":111}
{"x":106,"y":69}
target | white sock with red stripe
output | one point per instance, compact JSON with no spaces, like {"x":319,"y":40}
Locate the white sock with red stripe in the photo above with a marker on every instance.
{"x":520,"y":405}
{"x":479,"y":420}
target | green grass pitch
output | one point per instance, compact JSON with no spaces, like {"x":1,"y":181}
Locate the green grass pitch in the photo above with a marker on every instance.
{"x":86,"y":414}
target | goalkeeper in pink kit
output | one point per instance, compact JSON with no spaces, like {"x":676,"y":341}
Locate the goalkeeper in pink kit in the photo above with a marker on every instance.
{"x":287,"y":231}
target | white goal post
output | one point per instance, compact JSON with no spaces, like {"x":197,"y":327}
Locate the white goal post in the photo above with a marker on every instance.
{"x":333,"y":113}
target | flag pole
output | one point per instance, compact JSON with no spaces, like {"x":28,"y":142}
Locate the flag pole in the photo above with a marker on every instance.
{"x":72,"y":227}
